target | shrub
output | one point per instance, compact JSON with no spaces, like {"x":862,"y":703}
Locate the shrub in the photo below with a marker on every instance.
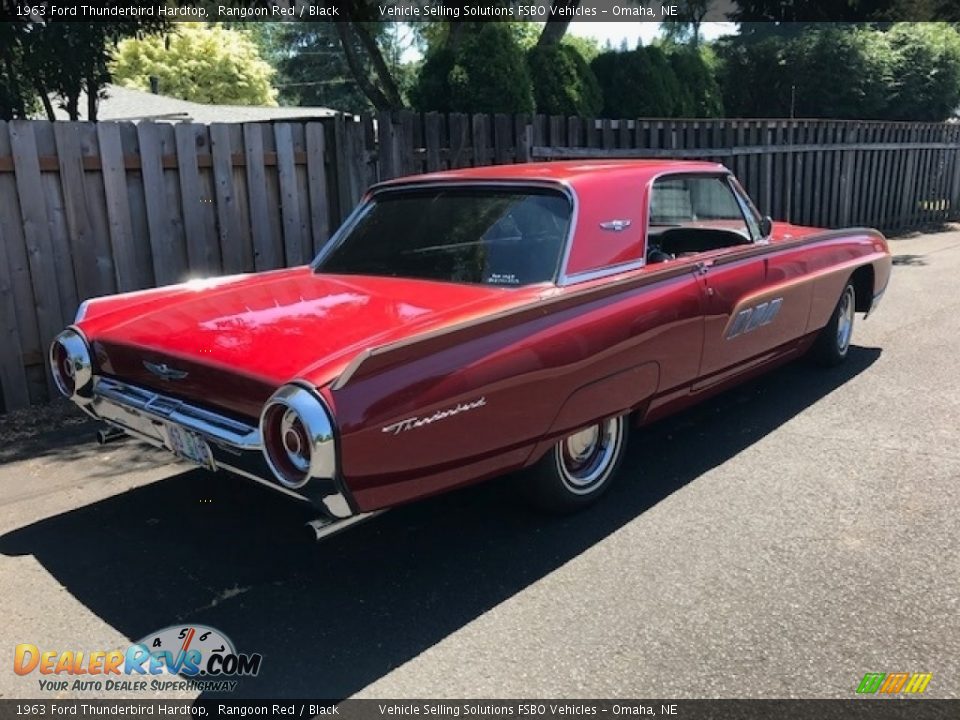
{"x":563,"y":83}
{"x":198,"y":62}
{"x":699,"y":92}
{"x":486,"y":73}
{"x":637,"y":83}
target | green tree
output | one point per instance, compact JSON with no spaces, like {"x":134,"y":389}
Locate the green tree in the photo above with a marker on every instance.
{"x":752,"y":77}
{"x":197,"y":62}
{"x":637,"y":83}
{"x":911,"y":71}
{"x":563,"y":83}
{"x":588,"y":47}
{"x":811,"y":11}
{"x":811,"y":63}
{"x":440,"y":42}
{"x":485,"y":71}
{"x":686,"y":27}
{"x":925,"y":73}
{"x":18,"y":95}
{"x":310,"y":66}
{"x":699,"y":92}
{"x":60,"y":60}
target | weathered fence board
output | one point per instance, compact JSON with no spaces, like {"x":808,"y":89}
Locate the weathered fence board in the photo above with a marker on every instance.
{"x":234,"y":243}
{"x":89,"y":209}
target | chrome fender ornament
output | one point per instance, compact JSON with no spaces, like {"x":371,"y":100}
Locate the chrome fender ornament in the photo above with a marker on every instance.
{"x":616,"y":225}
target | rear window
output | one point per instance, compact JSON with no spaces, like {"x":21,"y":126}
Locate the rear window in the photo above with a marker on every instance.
{"x":490,"y":236}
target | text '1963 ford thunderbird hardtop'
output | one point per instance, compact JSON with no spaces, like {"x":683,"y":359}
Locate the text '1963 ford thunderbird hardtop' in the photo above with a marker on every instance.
{"x":466,"y":324}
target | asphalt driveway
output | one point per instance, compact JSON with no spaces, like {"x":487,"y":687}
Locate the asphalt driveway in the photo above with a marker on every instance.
{"x":780,"y":541}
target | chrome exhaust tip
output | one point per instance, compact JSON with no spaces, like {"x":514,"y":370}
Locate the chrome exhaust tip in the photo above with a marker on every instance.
{"x":324,"y":527}
{"x":109,"y":435}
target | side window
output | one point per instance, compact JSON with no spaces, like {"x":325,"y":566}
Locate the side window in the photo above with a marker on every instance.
{"x":691,"y":214}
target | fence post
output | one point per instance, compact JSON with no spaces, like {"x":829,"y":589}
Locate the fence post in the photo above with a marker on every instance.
{"x":846,"y":185}
{"x":525,"y":145}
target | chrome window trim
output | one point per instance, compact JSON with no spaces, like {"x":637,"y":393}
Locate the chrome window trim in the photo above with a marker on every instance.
{"x":747,"y":208}
{"x":367,"y":202}
{"x":721,"y":173}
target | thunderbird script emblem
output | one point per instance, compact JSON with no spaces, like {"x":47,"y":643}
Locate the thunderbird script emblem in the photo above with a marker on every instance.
{"x":165,"y":371}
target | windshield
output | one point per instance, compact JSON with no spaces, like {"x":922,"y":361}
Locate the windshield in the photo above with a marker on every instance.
{"x":491,"y":236}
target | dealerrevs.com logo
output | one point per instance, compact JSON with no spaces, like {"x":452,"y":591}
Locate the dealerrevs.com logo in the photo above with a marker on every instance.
{"x":202,"y":656}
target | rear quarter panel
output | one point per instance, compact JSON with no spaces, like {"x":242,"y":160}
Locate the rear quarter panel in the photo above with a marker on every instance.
{"x":540,"y":374}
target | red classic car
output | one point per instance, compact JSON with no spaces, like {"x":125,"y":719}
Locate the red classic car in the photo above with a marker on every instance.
{"x":465,"y":324}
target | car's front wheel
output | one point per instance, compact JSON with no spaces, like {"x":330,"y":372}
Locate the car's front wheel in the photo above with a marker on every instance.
{"x":579,"y":468}
{"x":833,"y":343}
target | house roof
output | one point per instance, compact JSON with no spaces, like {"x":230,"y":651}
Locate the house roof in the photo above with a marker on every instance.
{"x":122,"y":103}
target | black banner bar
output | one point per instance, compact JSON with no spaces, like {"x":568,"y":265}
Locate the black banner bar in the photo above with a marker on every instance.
{"x":855,"y":11}
{"x":854,"y":709}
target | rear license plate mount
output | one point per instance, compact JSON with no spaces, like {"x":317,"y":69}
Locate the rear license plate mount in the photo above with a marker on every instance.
{"x":189,"y":446}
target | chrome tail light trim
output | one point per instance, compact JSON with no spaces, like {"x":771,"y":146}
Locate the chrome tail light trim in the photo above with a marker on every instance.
{"x":77,"y":364}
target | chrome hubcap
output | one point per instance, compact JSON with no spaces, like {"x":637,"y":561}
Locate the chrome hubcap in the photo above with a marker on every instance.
{"x":586,"y":458}
{"x":582,"y":444}
{"x":845,"y":321}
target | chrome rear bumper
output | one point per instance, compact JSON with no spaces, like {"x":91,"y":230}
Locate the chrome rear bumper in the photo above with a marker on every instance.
{"x":235,"y":445}
{"x":145,"y":412}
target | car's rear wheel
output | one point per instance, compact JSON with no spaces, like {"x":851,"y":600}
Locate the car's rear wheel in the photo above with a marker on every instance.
{"x":579,"y":468}
{"x":833,"y":344}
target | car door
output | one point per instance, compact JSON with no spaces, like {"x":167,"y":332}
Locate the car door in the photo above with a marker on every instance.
{"x":756,"y":298}
{"x":738,"y":312}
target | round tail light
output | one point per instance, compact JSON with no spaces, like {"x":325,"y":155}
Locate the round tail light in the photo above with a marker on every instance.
{"x":70,"y":364}
{"x":297,"y":436}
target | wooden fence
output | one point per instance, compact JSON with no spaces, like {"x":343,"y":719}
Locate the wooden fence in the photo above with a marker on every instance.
{"x":89,"y":209}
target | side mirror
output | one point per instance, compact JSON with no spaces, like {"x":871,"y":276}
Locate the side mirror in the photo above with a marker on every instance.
{"x":766,"y":226}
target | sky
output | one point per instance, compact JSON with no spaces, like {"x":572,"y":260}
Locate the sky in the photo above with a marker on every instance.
{"x":616,"y":32}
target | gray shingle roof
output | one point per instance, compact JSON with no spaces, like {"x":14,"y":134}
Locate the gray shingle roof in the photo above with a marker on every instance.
{"x":124,"y":103}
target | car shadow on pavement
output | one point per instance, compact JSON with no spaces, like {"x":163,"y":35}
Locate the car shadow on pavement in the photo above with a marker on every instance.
{"x":333,"y":617}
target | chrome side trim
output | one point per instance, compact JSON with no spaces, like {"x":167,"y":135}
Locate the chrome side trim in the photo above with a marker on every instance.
{"x":659,"y":273}
{"x":603,"y":272}
{"x":210,"y":425}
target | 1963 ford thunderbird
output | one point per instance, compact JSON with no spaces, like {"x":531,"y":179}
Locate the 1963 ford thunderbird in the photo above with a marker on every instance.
{"x":470,"y":323}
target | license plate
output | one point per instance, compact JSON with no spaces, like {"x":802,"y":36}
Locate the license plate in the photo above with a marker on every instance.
{"x":190,"y":446}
